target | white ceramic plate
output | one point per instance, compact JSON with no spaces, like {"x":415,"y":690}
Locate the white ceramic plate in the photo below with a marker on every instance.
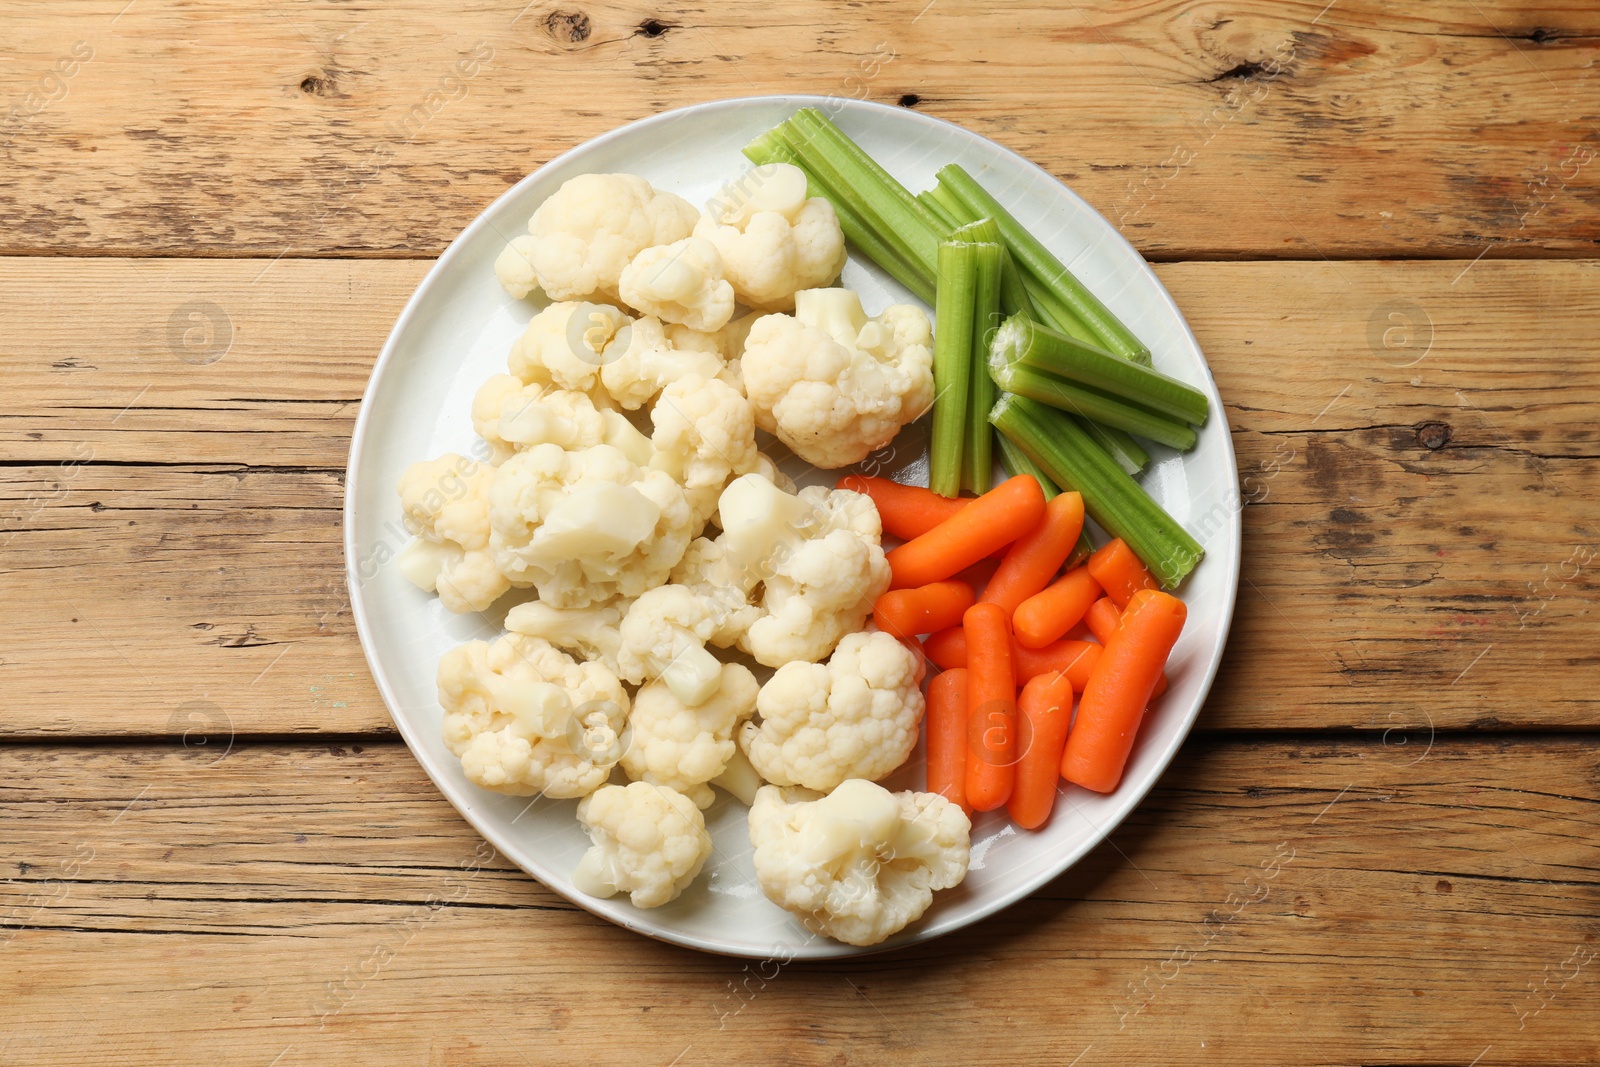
{"x":456,"y":331}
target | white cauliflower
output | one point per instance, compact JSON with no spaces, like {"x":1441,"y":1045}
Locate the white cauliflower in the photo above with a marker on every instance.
{"x":773,"y":241}
{"x":446,"y":504}
{"x":512,"y":416}
{"x":593,"y":632}
{"x":739,"y":778}
{"x":663,"y":636}
{"x":818,"y":558}
{"x":856,"y":716}
{"x":584,"y":527}
{"x":567,"y":343}
{"x":861,"y":863}
{"x":685,"y":747}
{"x":833,"y":384}
{"x":704,"y":432}
{"x":580,"y":239}
{"x":680,"y":282}
{"x":649,"y":842}
{"x":525,"y":718}
{"x":723,"y":585}
{"x":643,"y":359}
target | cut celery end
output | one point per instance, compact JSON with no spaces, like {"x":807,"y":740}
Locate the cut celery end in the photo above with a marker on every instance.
{"x":1020,"y":340}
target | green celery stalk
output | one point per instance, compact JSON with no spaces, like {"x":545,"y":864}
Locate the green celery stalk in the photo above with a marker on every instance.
{"x":811,"y":134}
{"x":937,"y":210}
{"x":977,"y":457}
{"x":1087,"y":401}
{"x":951,"y":203}
{"x":1015,"y":461}
{"x":1119,"y":445}
{"x":952,"y":363}
{"x":1109,"y":331}
{"x":771,"y":147}
{"x":1037,"y":346}
{"x":1013,"y":293}
{"x":1073,"y":461}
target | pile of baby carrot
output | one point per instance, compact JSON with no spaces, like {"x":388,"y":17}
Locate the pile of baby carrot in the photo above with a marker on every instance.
{"x":988,"y":745}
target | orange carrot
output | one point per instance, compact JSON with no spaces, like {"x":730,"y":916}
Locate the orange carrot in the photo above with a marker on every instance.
{"x":907,"y":511}
{"x":984,"y":526}
{"x":1103,"y":618}
{"x":1075,"y":659}
{"x":948,"y":650}
{"x":991,"y":707}
{"x":947,"y":737}
{"x":1118,"y":690}
{"x":979,"y":573}
{"x":1036,"y":557}
{"x":1045,"y":616}
{"x":1119,"y":572}
{"x":1046,"y":707}
{"x":924,"y":610}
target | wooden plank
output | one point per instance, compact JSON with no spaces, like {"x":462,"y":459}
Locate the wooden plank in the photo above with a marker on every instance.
{"x":1419,"y":550}
{"x":1317,"y":902}
{"x":1295,"y":129}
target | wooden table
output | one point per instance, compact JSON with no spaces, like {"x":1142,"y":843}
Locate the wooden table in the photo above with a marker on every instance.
{"x":1379,"y":847}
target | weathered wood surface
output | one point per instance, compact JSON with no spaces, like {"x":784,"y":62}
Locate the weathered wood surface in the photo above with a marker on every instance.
{"x":1326,"y":901}
{"x":1299,"y":129}
{"x":1417,"y":446}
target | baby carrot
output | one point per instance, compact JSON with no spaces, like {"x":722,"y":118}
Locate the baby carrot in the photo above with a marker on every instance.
{"x":924,"y":610}
{"x":991,"y":707}
{"x":1049,"y":614}
{"x":1118,"y":690}
{"x":906,"y":511}
{"x":1103,"y":618}
{"x":948,"y":650}
{"x":1046,"y":708}
{"x":1036,"y":557}
{"x":984,"y":526}
{"x":1119,"y":571}
{"x":947,"y":737}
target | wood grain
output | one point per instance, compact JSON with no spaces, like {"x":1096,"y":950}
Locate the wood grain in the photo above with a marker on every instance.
{"x":1297,"y":130}
{"x":1419,"y":525}
{"x":1315,"y":902}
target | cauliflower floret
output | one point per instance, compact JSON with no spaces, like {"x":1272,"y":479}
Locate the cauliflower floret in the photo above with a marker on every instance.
{"x":704,"y":432}
{"x":818,"y":558}
{"x":512,"y":416}
{"x":580,"y":239}
{"x":594,"y":632}
{"x":739,"y":778}
{"x":526,"y":718}
{"x":664,"y":636}
{"x":854,"y":717}
{"x":649,"y":842}
{"x":723,"y":585}
{"x":685,"y":747}
{"x":680,"y":282}
{"x":861,"y":863}
{"x":446,"y":504}
{"x":566,"y":345}
{"x":772,"y":239}
{"x":643,"y":359}
{"x":584,"y":527}
{"x":833,"y":384}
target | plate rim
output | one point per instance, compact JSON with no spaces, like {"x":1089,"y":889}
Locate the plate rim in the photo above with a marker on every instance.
{"x":812,"y":949}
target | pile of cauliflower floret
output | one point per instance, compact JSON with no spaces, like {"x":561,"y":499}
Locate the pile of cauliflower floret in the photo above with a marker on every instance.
{"x":696,"y":620}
